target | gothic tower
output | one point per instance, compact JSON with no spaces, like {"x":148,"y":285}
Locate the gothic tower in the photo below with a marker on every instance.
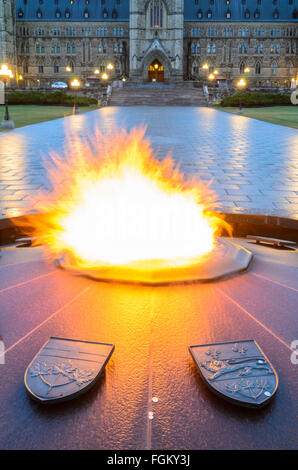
{"x":7,"y":33}
{"x":156,"y":40}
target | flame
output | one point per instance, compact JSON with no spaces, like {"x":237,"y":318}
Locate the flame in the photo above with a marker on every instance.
{"x":114,"y":203}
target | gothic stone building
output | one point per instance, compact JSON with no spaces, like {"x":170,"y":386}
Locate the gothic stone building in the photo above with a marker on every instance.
{"x":163,"y":40}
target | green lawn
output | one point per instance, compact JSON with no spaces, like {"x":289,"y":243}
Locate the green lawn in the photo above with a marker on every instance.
{"x":283,"y":115}
{"x":23,"y":115}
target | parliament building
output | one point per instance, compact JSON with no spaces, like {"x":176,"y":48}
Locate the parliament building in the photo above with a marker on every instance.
{"x":160,"y":40}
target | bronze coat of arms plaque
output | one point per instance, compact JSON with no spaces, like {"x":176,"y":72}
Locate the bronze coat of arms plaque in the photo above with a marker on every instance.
{"x":237,"y":371}
{"x":64,"y":369}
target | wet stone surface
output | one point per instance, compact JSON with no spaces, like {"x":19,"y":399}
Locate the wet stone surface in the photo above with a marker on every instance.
{"x":252,"y":165}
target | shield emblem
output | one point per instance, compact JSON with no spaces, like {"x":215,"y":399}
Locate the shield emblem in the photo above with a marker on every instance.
{"x":64,"y":369}
{"x":237,"y":371}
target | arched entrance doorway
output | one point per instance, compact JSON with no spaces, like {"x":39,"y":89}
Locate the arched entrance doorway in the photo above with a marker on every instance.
{"x":156,"y":72}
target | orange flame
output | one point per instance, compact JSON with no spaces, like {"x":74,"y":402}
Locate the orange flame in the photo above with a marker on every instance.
{"x":113,"y":203}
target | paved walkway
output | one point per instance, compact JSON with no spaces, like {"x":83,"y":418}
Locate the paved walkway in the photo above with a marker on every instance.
{"x":252,"y":164}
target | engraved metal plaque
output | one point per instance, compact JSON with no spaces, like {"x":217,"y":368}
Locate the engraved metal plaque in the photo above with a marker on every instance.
{"x":237,"y":371}
{"x":276,"y":242}
{"x":64,"y":369}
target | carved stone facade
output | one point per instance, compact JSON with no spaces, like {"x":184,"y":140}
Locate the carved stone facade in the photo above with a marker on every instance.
{"x":150,"y":40}
{"x":7,"y":33}
{"x":156,"y":34}
{"x":268,"y":49}
{"x":46,"y":49}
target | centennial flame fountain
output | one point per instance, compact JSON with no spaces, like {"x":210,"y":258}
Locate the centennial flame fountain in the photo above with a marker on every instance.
{"x":117,"y":213}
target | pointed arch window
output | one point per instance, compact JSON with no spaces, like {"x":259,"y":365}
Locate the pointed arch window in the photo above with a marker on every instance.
{"x":58,"y":13}
{"x":67,"y":13}
{"x":258,"y":68}
{"x":276,"y":14}
{"x":228,"y":14}
{"x":209,"y":14}
{"x":86,"y":13}
{"x":105,"y":13}
{"x":39,"y":13}
{"x":274,"y":68}
{"x":156,"y":9}
{"x":257,"y":14}
{"x":199,"y":14}
{"x":114,"y":14}
{"x":247,"y":14}
{"x":20,"y":13}
{"x":291,"y":68}
{"x":242,"y":68}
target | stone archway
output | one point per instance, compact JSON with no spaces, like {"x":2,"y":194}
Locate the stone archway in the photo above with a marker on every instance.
{"x":156,"y":72}
{"x":157,"y":57}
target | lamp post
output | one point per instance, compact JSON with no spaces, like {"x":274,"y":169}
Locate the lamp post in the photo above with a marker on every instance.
{"x":75,"y":84}
{"x":105,"y":78}
{"x":5,"y":74}
{"x":241,"y":84}
{"x":205,"y":67}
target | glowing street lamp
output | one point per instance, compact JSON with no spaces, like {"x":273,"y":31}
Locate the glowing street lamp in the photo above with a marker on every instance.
{"x":105,"y":78}
{"x":246,"y":70}
{"x":75,"y":84}
{"x":110,"y":66}
{"x":6,"y":74}
{"x":96,"y":72}
{"x":241,"y":84}
{"x":211,"y":77}
{"x":205,"y":67}
{"x":68,"y":69}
